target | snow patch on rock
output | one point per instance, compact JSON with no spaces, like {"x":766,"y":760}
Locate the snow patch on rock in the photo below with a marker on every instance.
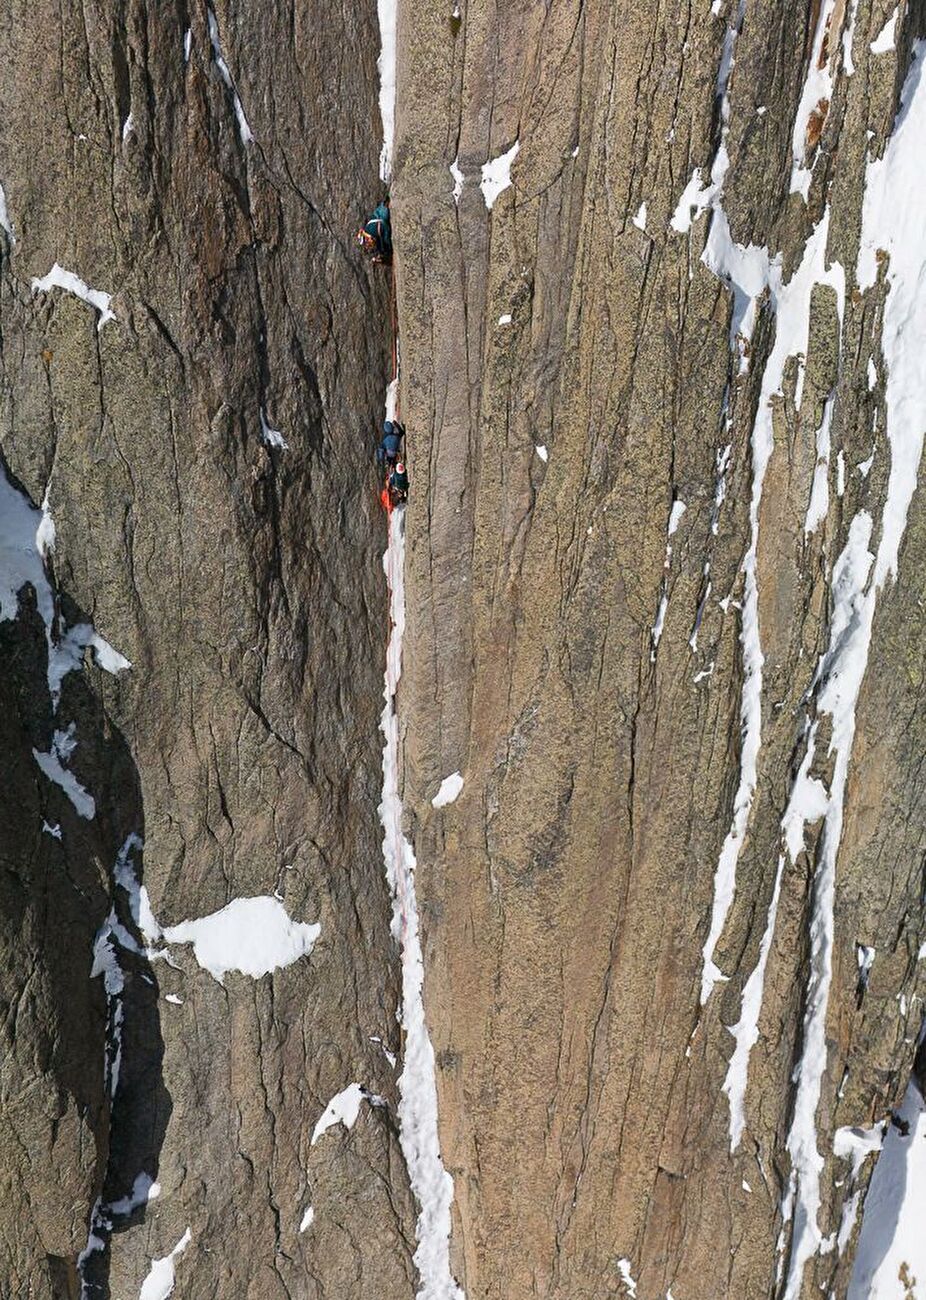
{"x":815,"y":99}
{"x":449,"y":790}
{"x":159,"y":1283}
{"x":895,"y":1210}
{"x":458,"y":179}
{"x":884,"y":41}
{"x":272,"y":437}
{"x":59,"y":278}
{"x":343,"y":1108}
{"x":251,"y":935}
{"x":5,"y":223}
{"x":496,"y":174}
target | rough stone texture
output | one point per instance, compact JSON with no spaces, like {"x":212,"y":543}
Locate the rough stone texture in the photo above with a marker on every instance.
{"x":243,"y":583}
{"x":567,"y":893}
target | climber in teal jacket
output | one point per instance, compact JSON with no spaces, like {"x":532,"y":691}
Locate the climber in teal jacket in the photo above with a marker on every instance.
{"x":375,"y":235}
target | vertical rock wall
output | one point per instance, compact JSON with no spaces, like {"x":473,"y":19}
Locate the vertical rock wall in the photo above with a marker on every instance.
{"x":654,"y":622}
{"x":197,"y":175}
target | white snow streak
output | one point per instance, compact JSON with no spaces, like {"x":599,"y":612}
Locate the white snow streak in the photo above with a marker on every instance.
{"x":815,"y":98}
{"x":639,"y":218}
{"x":696,"y":196}
{"x":53,"y":767}
{"x":159,"y":1283}
{"x":68,"y":656}
{"x":58,"y":278}
{"x":806,"y":805}
{"x":857,"y":1144}
{"x":5,"y":223}
{"x":144,"y":1189}
{"x":458,"y":179}
{"x":841,"y":672}
{"x":496,"y":174}
{"x":895,"y":228}
{"x":675,"y":517}
{"x":387,"y":11}
{"x":791,"y":304}
{"x":820,"y":493}
{"x":431,"y":1184}
{"x":627,"y":1277}
{"x":865,"y":957}
{"x":244,"y":130}
{"x":417,"y":1113}
{"x":307,"y":1219}
{"x":392,"y":396}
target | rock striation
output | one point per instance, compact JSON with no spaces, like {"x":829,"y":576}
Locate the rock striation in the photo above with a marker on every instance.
{"x":665,"y":578}
{"x":653,"y":719}
{"x":191,"y":376}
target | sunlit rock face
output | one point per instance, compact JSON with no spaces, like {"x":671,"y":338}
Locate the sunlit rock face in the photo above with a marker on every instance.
{"x":659,"y":291}
{"x":195,"y":934}
{"x":596,"y":941}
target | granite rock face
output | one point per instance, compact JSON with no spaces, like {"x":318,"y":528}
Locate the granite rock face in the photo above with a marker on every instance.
{"x":206,"y":171}
{"x":651,"y":470}
{"x":665,"y":582}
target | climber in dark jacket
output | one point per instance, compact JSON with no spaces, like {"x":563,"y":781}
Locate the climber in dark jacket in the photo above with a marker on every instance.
{"x":398,"y":481}
{"x":375,"y":235}
{"x":387,"y":453}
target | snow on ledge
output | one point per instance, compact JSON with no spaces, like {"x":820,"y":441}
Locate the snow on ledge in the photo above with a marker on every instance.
{"x":58,"y":278}
{"x":272,"y":437}
{"x":343,"y":1108}
{"x":496,"y":174}
{"x":159,"y":1283}
{"x":450,"y":788}
{"x":884,"y":41}
{"x":252,"y":935}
